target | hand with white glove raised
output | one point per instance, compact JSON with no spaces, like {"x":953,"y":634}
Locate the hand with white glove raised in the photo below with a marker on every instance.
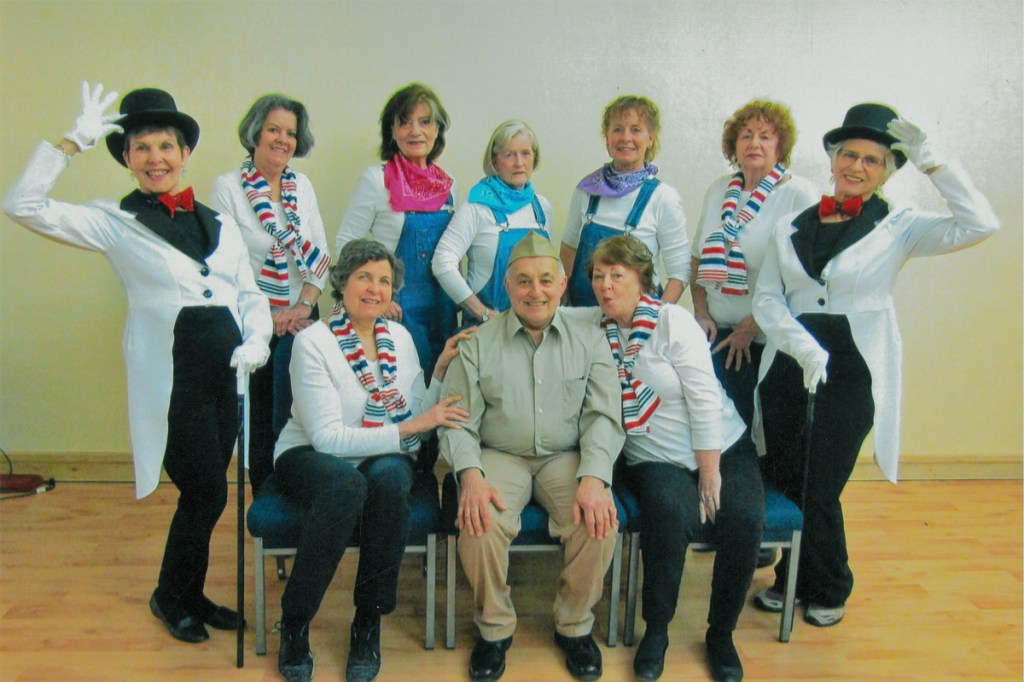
{"x":250,"y":356}
{"x":92,"y":125}
{"x":813,"y":364}
{"x":914,"y":143}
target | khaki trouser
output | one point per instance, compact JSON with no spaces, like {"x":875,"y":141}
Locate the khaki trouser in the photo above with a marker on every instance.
{"x":551,"y":480}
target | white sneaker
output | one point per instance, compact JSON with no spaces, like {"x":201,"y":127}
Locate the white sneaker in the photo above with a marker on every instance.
{"x":770,"y":600}
{"x":823,"y":616}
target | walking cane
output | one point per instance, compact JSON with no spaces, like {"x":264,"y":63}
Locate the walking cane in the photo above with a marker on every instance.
{"x":243,"y":457}
{"x":808,"y":428}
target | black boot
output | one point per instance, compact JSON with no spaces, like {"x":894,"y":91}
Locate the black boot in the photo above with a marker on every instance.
{"x":294,"y":660}
{"x":364,"y":648}
{"x":722,"y":657}
{"x":649,"y":661}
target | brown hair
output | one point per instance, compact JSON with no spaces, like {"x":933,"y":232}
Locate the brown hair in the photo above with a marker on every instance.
{"x":630,"y":253}
{"x":773,"y":113}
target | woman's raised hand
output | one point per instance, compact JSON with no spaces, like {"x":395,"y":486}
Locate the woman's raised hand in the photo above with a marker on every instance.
{"x":92,"y":125}
{"x":914,"y":143}
{"x":451,"y":349}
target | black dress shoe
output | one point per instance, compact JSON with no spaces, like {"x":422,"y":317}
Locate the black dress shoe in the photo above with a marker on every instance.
{"x":649,"y":661}
{"x":188,"y":629}
{"x":487,"y":662}
{"x":582,"y":657}
{"x":723,"y":660}
{"x":220,"y":617}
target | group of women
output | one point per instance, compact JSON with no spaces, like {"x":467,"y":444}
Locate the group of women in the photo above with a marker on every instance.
{"x":792,"y":294}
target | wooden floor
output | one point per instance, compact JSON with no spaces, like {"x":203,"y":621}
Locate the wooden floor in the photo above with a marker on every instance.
{"x":938,"y":597}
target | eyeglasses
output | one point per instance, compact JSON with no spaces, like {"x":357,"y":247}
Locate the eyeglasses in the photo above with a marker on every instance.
{"x":869,"y":161}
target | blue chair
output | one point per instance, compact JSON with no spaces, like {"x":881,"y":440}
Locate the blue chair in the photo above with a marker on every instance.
{"x":275,"y":525}
{"x":783,"y":526}
{"x":533,"y":537}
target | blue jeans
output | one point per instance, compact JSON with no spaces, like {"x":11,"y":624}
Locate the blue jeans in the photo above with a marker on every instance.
{"x":336,"y":499}
{"x":670,"y":521}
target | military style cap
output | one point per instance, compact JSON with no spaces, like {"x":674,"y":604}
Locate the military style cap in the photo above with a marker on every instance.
{"x":532,"y":245}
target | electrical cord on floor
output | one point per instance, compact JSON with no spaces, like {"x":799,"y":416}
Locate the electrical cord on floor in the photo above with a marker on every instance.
{"x":14,"y":485}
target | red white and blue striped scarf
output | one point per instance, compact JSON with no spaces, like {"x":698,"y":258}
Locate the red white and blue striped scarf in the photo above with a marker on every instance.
{"x":722,"y":265}
{"x":311,"y":261}
{"x":638,"y":400}
{"x":380,"y":401}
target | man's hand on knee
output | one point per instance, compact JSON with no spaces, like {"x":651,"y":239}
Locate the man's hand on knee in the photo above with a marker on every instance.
{"x":476,"y":496}
{"x":595,"y":507}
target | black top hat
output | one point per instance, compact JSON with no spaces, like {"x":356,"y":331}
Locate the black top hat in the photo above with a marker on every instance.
{"x":868,"y":121}
{"x":150,"y":107}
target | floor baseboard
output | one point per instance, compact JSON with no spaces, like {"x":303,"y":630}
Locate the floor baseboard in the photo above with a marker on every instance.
{"x":115,"y":467}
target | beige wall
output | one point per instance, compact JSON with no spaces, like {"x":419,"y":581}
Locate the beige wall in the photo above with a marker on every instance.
{"x":953,"y":67}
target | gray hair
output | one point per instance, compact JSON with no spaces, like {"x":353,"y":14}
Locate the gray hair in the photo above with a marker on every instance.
{"x":500,"y":138}
{"x":252,"y":124}
{"x":890,"y":158}
{"x":356,"y":253}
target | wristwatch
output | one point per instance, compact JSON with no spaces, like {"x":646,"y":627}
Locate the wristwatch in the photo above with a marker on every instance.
{"x":486,"y":316}
{"x":306,"y":303}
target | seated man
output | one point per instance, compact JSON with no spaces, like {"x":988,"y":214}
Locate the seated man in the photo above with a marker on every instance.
{"x":544,"y":423}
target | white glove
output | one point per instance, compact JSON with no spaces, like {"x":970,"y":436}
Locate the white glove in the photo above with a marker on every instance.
{"x":250,"y":356}
{"x":813,"y":364}
{"x":914,"y":143}
{"x":92,"y":125}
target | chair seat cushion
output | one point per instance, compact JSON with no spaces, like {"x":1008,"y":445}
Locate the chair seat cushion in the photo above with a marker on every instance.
{"x":533,"y":522}
{"x":276,"y":519}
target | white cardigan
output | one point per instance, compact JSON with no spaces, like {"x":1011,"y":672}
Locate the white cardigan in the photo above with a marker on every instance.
{"x":858,"y":283}
{"x":229,"y":197}
{"x":159,"y":281}
{"x":328,"y":400}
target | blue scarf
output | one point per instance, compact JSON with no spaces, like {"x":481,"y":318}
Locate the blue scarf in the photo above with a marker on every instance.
{"x":493,"y":193}
{"x":607,"y":182}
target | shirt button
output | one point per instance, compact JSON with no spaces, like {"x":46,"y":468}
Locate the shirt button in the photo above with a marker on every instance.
{"x":204,"y":271}
{"x":207,"y":294}
{"x":821,"y":302}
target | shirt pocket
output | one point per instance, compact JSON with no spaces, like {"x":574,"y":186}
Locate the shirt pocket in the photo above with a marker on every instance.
{"x":574,"y":390}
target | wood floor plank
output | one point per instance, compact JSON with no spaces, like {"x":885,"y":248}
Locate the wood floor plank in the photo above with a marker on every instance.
{"x":938,"y":597}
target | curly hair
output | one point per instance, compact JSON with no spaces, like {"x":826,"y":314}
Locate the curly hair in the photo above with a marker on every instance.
{"x":774,"y":114}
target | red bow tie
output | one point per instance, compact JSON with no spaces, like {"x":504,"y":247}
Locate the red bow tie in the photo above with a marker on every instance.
{"x":183,"y":201}
{"x":849,"y":207}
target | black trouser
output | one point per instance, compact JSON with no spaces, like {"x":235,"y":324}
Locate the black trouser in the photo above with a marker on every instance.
{"x":335,"y":497}
{"x":202,"y":424}
{"x":670,"y":520}
{"x":739,"y":384}
{"x":843,"y":415}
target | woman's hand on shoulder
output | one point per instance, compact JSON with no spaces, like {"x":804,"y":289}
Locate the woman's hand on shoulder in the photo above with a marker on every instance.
{"x":451,"y":349}
{"x":393,"y":312}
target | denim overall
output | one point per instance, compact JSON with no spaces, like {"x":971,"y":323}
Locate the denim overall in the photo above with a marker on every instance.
{"x":493,"y":294}
{"x":581,"y":293}
{"x":427,"y":311}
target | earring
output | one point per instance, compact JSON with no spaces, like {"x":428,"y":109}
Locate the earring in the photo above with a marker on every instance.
{"x":184,"y":172}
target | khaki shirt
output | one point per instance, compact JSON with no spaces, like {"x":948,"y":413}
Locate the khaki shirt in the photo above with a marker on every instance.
{"x":536,"y":400}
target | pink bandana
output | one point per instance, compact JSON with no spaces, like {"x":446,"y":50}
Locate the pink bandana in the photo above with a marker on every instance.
{"x":412,"y":188}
